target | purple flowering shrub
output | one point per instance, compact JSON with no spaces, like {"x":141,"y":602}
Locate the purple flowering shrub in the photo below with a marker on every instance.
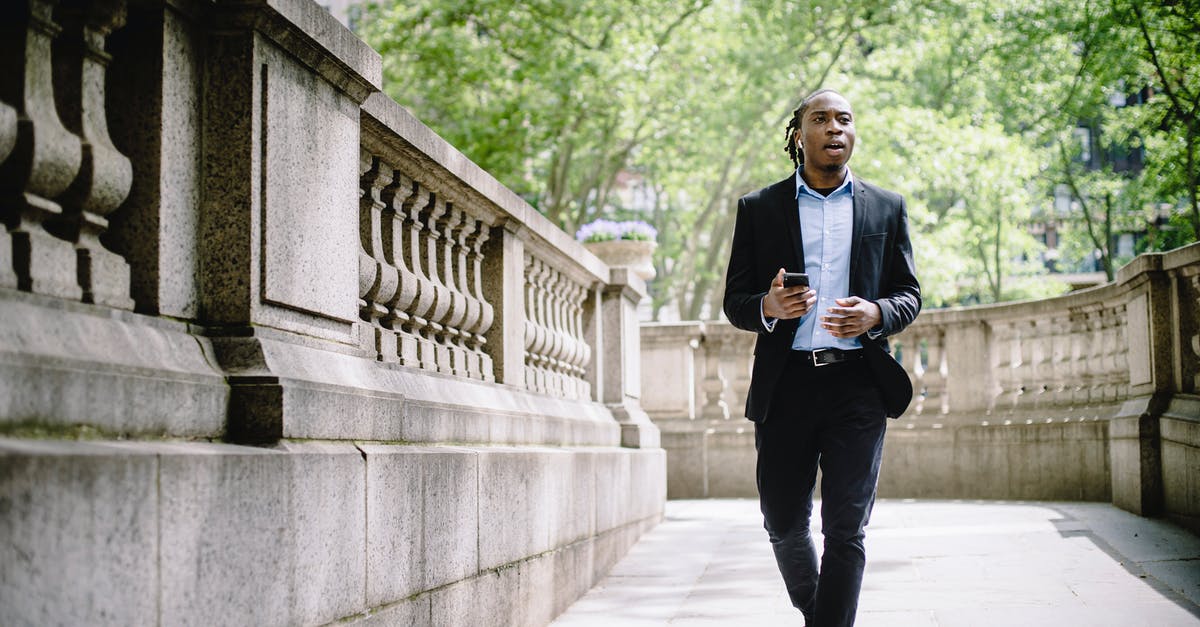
{"x":605,"y":230}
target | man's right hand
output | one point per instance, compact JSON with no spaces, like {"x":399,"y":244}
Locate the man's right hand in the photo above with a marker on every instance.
{"x":786,"y":303}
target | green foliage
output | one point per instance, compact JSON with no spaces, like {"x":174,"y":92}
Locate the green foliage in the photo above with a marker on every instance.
{"x":966,"y":107}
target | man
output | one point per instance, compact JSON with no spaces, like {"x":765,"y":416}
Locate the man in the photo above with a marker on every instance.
{"x":823,"y":383}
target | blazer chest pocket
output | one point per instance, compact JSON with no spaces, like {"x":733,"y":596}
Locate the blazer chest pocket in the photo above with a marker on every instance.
{"x":872,"y":252}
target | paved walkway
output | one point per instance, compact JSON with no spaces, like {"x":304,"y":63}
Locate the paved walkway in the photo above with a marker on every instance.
{"x":929,"y":563}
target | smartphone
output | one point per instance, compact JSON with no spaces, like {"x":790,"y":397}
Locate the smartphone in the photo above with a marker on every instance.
{"x":793,"y":279}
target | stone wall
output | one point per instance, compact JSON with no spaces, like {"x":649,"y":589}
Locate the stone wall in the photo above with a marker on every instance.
{"x":273,"y":352}
{"x":1090,"y":396}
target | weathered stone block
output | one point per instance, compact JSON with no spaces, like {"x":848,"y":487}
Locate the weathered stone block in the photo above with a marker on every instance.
{"x":535,"y":583}
{"x":515,"y":508}
{"x":488,"y":599}
{"x":734,"y":454}
{"x":329,"y":530}
{"x":409,"y":613}
{"x":422,"y":516}
{"x":1181,"y":467}
{"x":648,"y":484}
{"x":612,"y":481}
{"x":573,"y":574}
{"x":687,"y":464}
{"x":242,"y":535}
{"x":79,"y":522}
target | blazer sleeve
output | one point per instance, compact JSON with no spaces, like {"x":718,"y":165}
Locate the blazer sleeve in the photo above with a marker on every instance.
{"x":743,"y":297}
{"x":902,"y":302}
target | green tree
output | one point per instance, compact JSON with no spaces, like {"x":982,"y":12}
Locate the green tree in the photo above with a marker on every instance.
{"x":968,"y":107}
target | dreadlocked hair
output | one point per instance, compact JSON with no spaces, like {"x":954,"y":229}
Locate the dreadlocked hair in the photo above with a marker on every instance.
{"x":793,"y":126}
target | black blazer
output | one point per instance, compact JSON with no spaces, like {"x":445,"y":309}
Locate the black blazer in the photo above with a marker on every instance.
{"x":766,"y":237}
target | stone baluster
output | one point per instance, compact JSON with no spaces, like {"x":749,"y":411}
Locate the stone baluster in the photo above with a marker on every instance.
{"x":105,"y":175}
{"x":1095,"y":357}
{"x":583,"y":353}
{"x":561,"y":346}
{"x":473,"y":306}
{"x":937,"y":399}
{"x":377,"y":280}
{"x":486,"y":311}
{"x":546,"y":332}
{"x":454,"y":360}
{"x":553,"y":351}
{"x":1058,"y":367}
{"x":414,"y":297}
{"x":399,"y":285}
{"x":570,"y":349}
{"x":1080,"y":349}
{"x":560,"y":341}
{"x":1019,"y":366}
{"x":435,"y":221}
{"x":716,"y":407}
{"x":43,"y":159}
{"x":734,"y":402}
{"x":1002,"y":366}
{"x":535,"y":333}
{"x":571,"y":337}
{"x":1025,"y":339}
{"x":914,"y":348}
{"x":431,"y":287}
{"x":1037,"y":347}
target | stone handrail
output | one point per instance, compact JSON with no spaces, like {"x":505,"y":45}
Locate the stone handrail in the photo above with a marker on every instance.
{"x":439,"y":270}
{"x":1117,"y":366}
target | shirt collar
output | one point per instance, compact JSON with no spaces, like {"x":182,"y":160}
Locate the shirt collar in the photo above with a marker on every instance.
{"x":802,"y":187}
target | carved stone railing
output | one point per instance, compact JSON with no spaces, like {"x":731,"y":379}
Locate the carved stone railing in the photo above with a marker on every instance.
{"x":1092,"y":395}
{"x":294,"y":323}
{"x":1004,"y":362}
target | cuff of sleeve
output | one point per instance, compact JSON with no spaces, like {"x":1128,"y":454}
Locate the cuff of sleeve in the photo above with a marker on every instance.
{"x":768,"y":323}
{"x":875,"y":333}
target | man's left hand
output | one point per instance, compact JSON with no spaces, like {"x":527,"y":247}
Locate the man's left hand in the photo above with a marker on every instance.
{"x":852,"y":317}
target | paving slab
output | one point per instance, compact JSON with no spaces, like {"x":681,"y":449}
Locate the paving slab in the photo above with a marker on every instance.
{"x":929,"y":564}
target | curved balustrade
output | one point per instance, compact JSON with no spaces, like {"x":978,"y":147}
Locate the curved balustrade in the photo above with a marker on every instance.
{"x":1092,"y":395}
{"x":1004,"y":361}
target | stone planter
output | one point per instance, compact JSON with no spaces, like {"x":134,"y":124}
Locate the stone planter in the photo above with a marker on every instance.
{"x":638,"y":255}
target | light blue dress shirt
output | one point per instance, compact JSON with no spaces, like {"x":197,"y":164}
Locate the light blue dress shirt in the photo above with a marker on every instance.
{"x":827,"y":226}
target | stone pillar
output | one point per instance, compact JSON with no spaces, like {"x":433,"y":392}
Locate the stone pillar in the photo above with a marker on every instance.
{"x":504,"y":287}
{"x":1134,"y":433}
{"x":154,"y":114}
{"x":621,"y":345}
{"x":279,"y":216}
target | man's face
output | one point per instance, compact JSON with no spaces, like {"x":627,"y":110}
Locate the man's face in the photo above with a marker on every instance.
{"x":827,"y":133}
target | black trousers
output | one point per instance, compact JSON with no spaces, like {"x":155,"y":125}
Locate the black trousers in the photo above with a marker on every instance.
{"x":830,"y":417}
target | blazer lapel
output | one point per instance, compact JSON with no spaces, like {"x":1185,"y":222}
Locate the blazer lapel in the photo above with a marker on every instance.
{"x":791,"y":217}
{"x":860,"y":212}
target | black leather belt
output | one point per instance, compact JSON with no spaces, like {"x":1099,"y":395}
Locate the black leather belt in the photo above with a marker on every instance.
{"x":826,"y":356}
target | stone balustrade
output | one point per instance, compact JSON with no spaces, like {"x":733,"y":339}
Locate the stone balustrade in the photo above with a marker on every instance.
{"x":327,"y":368}
{"x":1093,"y":395}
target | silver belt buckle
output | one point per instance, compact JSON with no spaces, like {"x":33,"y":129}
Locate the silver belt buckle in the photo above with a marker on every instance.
{"x":813,"y":354}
